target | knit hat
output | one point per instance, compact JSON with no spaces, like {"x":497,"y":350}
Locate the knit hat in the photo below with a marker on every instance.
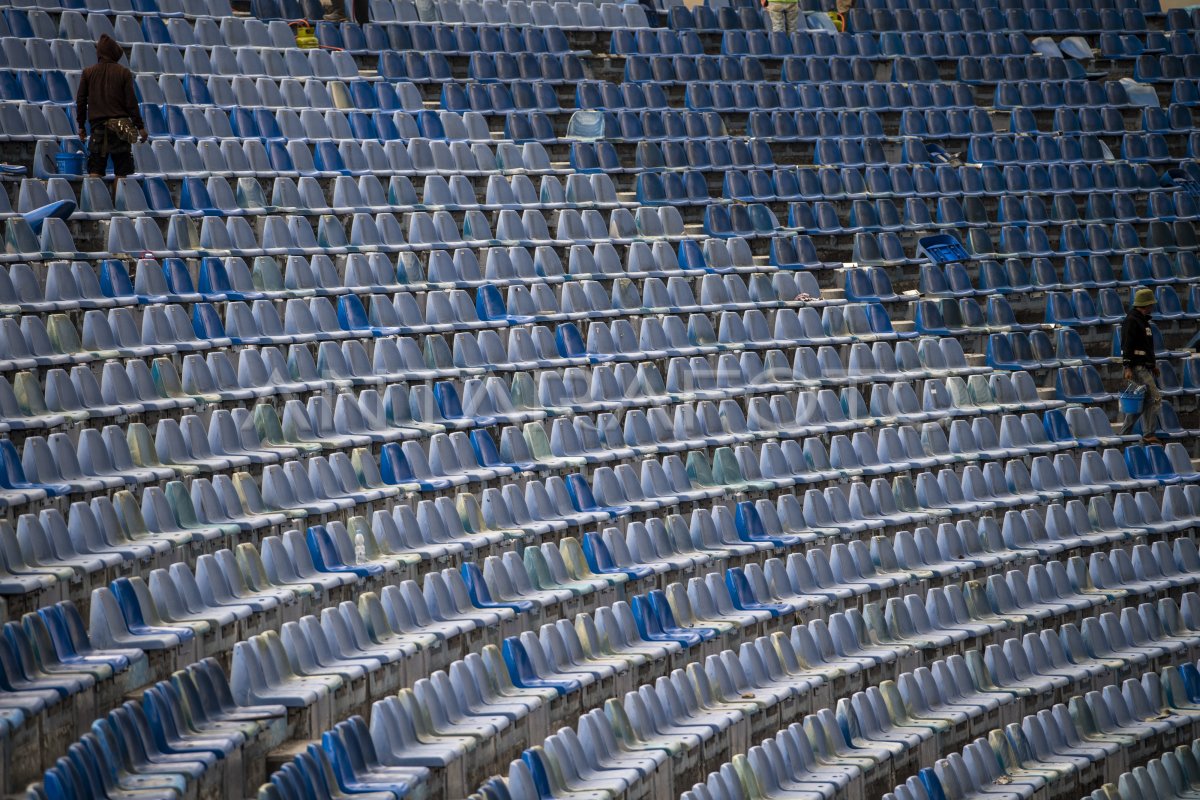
{"x":1143,"y":298}
{"x":108,"y":50}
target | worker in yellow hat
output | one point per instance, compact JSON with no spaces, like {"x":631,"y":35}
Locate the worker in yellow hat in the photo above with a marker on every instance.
{"x":1141,"y":366}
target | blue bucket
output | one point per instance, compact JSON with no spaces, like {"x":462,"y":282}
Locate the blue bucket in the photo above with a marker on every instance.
{"x":1131,"y":400}
{"x":69,"y":163}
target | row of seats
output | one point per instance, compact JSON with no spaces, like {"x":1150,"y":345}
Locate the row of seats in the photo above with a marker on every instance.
{"x":41,"y":54}
{"x":241,"y":32}
{"x":467,"y":354}
{"x":34,"y":121}
{"x":877,"y":243}
{"x":162,"y":8}
{"x":1166,"y":69}
{"x":964,"y":316}
{"x":1123,"y":47}
{"x":292,"y":93}
{"x":79,"y":286}
{"x":710,"y":18}
{"x":1082,"y":310}
{"x":290,"y":574}
{"x":871,"y":284}
{"x":1019,"y":150}
{"x":20,"y":121}
{"x":903,"y":181}
{"x":1015,"y":241}
{"x":1075,"y":383}
{"x":1173,"y":119}
{"x":1150,"y":7}
{"x":822,"y":217}
{"x":779,"y":43}
{"x":151,"y":196}
{"x":996,"y":69}
{"x":295,"y":235}
{"x":373,"y":38}
{"x":483,"y":67}
{"x":328,"y":158}
{"x":876,"y":96}
{"x":637,"y":126}
{"x":562,"y":14}
{"x":1063,"y":21}
{"x":940,"y":45}
{"x":265,"y":62}
{"x":934,"y":124}
{"x":129,"y":29}
{"x":879,"y":97}
{"x":255,"y":369}
{"x":952,"y":46}
{"x":53,"y":86}
{"x":1032,"y":350}
{"x":667,"y":69}
{"x":285,"y":123}
{"x":718,"y":154}
{"x":725,"y":18}
{"x":1014,"y":276}
{"x":1051,"y":95}
{"x":147,"y":59}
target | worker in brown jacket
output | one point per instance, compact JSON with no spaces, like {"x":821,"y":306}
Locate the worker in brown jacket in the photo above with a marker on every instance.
{"x":106,"y":103}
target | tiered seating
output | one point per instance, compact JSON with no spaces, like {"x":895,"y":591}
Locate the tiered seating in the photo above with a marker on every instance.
{"x":1169,"y":775}
{"x":523,"y":389}
{"x":570,"y":15}
{"x":1096,"y":737}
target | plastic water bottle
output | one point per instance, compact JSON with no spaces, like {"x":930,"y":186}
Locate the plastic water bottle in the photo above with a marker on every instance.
{"x":360,"y":549}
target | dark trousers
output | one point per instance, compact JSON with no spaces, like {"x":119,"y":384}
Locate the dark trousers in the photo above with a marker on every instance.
{"x":103,"y":146}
